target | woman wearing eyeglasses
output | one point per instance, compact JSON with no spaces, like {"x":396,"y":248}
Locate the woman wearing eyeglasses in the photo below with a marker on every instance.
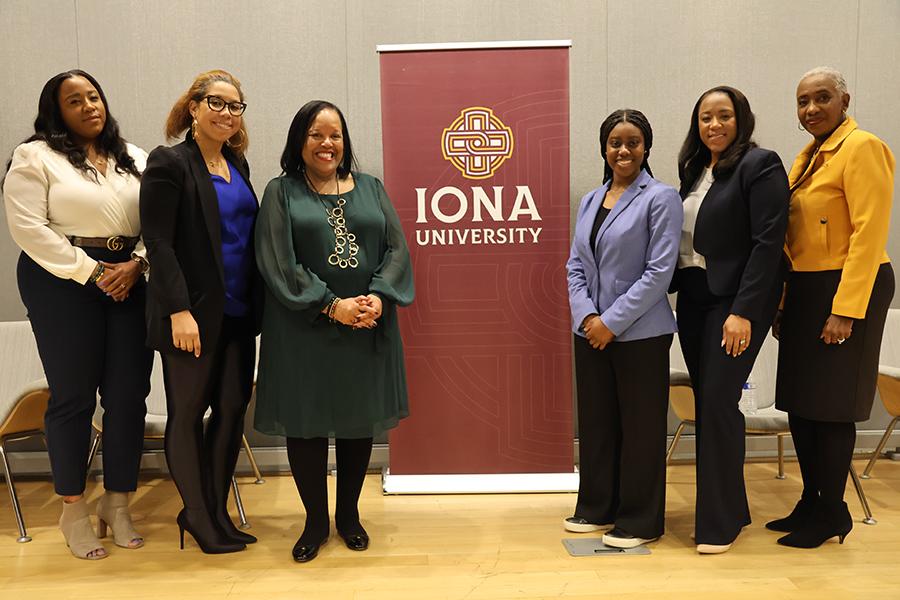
{"x":199,"y":210}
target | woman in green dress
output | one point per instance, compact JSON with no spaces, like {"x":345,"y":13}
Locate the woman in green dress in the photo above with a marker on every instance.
{"x":336,"y":266}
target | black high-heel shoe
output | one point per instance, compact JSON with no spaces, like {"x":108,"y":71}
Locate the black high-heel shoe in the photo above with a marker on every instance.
{"x":796,"y":520}
{"x":232,"y":533}
{"x":824,"y":524}
{"x":204,"y":532}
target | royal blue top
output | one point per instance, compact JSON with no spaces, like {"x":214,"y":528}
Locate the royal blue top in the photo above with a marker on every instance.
{"x":237,"y":214}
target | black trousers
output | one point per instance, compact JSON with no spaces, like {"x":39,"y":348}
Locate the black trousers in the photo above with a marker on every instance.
{"x":717,"y":378}
{"x":88,"y":342}
{"x":623,"y":398}
{"x":202,"y":464}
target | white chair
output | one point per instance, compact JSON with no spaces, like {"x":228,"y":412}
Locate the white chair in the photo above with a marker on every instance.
{"x":767,"y":421}
{"x":155,"y":429}
{"x":23,"y":399}
{"x":888,"y":381}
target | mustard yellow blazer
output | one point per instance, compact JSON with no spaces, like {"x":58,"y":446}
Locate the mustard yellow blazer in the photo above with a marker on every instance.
{"x":840,"y":212}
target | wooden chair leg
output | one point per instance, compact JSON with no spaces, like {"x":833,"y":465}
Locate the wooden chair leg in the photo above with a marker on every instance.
{"x":780,"y":438}
{"x":879,"y":448}
{"x":674,"y":443}
{"x":862,"y":496}
{"x":252,"y":460}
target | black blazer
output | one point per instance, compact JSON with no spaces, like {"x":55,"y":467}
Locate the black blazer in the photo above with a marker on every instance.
{"x":181,"y":228}
{"x":740,"y":232}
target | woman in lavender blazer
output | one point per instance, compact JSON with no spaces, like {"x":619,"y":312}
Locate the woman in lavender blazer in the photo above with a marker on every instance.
{"x":622,"y":259}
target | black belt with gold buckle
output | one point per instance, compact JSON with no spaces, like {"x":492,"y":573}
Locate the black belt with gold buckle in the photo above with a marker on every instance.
{"x":115,"y":243}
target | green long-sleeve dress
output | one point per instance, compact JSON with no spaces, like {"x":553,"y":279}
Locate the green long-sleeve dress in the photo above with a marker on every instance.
{"x":317,"y":378}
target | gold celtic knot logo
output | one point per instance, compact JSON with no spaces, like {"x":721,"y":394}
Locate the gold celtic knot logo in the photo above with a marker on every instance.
{"x":477,"y":143}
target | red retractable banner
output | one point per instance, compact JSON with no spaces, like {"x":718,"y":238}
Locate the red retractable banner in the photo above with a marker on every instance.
{"x":476,"y":160}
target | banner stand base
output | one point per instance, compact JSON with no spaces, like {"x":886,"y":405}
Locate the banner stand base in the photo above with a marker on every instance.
{"x":479,"y":483}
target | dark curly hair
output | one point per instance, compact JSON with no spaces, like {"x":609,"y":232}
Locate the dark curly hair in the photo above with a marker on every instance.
{"x":694,"y":155}
{"x":636,"y":118}
{"x":50,"y":128}
{"x":292,"y":159}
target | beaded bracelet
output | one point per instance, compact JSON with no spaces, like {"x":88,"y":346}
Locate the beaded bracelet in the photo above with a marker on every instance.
{"x":97,"y":274}
{"x":332,"y":308}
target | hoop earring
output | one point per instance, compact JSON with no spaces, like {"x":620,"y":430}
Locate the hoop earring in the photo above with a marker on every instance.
{"x":800,"y":126}
{"x":194,"y":130}
{"x":239,"y":144}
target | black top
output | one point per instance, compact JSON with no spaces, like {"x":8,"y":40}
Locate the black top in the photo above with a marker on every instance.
{"x":598,"y":223}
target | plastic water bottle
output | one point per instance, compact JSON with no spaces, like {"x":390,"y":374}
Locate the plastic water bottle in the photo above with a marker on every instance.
{"x":747,"y":403}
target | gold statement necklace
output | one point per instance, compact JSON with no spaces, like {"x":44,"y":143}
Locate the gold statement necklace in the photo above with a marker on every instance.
{"x":345,"y":247}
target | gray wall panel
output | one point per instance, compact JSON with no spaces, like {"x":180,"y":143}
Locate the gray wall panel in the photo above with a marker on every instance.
{"x":679,"y":49}
{"x":876,"y":94}
{"x":284,"y":53}
{"x":37,"y":40}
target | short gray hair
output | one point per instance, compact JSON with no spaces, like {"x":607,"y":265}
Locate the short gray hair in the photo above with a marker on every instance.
{"x":835,"y":76}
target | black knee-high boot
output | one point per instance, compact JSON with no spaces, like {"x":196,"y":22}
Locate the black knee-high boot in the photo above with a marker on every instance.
{"x":831,"y":517}
{"x":803,"y":433}
{"x":232,"y":385}
{"x":186,"y":380}
{"x":222,"y":454}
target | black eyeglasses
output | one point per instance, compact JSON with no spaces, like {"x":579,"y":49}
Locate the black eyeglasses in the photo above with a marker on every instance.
{"x":218,"y":104}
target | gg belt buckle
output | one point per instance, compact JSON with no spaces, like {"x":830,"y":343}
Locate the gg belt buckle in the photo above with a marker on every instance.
{"x":115,"y":243}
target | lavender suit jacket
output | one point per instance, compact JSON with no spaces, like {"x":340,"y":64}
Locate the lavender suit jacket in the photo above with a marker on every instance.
{"x":625,"y":276}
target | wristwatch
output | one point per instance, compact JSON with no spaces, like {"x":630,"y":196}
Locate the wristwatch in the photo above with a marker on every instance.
{"x":145,"y":266}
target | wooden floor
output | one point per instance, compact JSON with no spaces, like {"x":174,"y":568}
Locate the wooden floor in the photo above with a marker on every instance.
{"x":433,"y":547}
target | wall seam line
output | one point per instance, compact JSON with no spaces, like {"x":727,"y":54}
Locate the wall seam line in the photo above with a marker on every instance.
{"x":858,"y":35}
{"x":77,"y":40}
{"x":606,"y":108}
{"x":347,"y":53}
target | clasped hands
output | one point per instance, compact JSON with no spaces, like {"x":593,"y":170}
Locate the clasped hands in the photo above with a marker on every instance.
{"x":597,"y":333}
{"x":360,"y":312}
{"x":118,"y":278}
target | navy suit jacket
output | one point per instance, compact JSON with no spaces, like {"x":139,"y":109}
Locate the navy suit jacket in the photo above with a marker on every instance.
{"x":624,"y":277}
{"x":740,"y":232}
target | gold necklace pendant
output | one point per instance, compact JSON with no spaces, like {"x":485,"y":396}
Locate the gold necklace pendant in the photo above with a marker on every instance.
{"x":345,"y":246}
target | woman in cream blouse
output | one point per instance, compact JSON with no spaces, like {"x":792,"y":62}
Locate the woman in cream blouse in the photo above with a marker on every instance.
{"x":836,"y":301}
{"x":71,"y":196}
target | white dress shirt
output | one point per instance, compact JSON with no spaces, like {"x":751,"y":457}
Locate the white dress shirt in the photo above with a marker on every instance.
{"x":48,"y":199}
{"x":687,"y":256}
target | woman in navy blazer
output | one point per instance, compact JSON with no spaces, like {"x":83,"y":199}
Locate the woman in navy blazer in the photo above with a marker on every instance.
{"x":622,"y":259}
{"x":729,"y":281}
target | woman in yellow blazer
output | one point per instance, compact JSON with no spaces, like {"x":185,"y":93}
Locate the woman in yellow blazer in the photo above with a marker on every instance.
{"x":836,"y":301}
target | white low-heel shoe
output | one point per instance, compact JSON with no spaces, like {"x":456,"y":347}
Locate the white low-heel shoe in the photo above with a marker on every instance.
{"x":618,"y":538}
{"x":581,"y":525}
{"x":713,"y":548}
